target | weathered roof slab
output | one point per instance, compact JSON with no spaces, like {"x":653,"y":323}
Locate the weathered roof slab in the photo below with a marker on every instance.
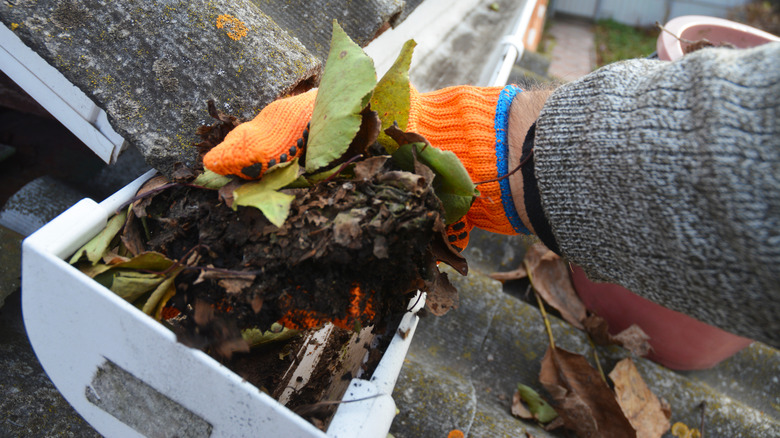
{"x":153,"y":65}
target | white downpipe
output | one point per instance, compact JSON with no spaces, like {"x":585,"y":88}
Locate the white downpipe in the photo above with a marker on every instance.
{"x":515,"y":45}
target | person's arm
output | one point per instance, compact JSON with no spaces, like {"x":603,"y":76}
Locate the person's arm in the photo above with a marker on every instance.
{"x":665,"y":178}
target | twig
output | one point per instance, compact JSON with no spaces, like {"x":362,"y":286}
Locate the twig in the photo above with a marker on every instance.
{"x":546,"y":320}
{"x":306,"y":409}
{"x":596,"y":358}
{"x":682,"y":40}
{"x":343,"y":166}
{"x":701,"y":425}
{"x":519,"y":166}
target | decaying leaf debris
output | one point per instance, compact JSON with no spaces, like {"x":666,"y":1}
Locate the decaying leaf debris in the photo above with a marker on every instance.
{"x":375,"y":231}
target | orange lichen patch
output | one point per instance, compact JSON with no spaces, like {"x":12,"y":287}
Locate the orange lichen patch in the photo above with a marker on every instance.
{"x":235,"y":28}
{"x":455,"y":433}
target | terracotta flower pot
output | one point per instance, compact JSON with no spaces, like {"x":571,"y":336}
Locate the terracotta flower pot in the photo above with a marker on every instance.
{"x":679,"y":341}
{"x":715,"y":30}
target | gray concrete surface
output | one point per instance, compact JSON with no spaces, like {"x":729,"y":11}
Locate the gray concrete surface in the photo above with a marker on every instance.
{"x":463,"y":368}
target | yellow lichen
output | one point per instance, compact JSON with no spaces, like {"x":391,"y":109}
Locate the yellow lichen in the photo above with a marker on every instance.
{"x":235,"y":28}
{"x":14,"y":26}
{"x":681,"y":430}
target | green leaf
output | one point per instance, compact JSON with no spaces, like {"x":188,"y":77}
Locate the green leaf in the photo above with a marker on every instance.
{"x":211,"y":180}
{"x":97,"y":246}
{"x":147,"y":261}
{"x":129,"y":285}
{"x":277,"y":333}
{"x":344,"y":91}
{"x":263,"y":195}
{"x":452,"y":184}
{"x":161,"y":295}
{"x":392,"y":96}
{"x":536,"y":404}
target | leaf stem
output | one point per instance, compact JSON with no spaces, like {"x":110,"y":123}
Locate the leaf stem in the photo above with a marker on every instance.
{"x":519,"y":166}
{"x":544,"y":316}
{"x":343,"y":166}
{"x":596,"y":358}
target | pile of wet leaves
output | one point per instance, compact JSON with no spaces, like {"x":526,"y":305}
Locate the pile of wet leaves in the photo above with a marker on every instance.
{"x":345,"y":234}
{"x":351,"y":250}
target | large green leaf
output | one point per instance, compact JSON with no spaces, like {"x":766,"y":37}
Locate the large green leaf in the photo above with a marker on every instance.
{"x":263,"y":194}
{"x":345,"y":89}
{"x":98,"y":245}
{"x":452,"y":184}
{"x":392,"y":96}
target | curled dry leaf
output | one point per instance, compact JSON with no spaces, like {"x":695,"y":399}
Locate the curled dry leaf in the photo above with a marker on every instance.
{"x":139,"y":206}
{"x":633,"y":339}
{"x":515,"y":274}
{"x":642,"y":408}
{"x":519,"y":409}
{"x":549,"y":275}
{"x":442,"y":295}
{"x":584,"y":401}
{"x":131,"y":235}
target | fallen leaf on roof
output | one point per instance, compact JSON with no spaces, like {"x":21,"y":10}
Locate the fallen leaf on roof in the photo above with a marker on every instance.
{"x":538,"y":409}
{"x":583,"y":400}
{"x":642,"y":408}
{"x":549,"y":275}
{"x":633,"y":339}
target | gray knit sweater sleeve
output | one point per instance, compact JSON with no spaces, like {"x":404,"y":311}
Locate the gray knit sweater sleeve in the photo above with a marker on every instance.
{"x":665,"y":178}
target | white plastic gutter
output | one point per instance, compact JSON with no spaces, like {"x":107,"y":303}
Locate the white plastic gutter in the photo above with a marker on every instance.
{"x":58,"y":96}
{"x":515,"y":45}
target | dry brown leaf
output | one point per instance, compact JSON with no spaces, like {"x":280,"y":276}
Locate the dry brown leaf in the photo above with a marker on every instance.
{"x":442,"y":296}
{"x":516,"y":274}
{"x":368,"y":168}
{"x":634,"y":340}
{"x":549,"y":275}
{"x":585,"y":402}
{"x":235,"y":285}
{"x":642,"y":408}
{"x":139,"y":206}
{"x":519,"y":409}
{"x":131,"y":235}
{"x":598,"y":329}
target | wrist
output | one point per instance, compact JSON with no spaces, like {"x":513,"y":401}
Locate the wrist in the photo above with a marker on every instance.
{"x":523,"y":113}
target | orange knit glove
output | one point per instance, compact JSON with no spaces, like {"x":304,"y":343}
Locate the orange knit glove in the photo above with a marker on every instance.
{"x":274,"y":136}
{"x":469,"y":121}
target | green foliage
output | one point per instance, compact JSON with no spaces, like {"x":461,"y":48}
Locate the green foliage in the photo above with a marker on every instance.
{"x":277,"y":333}
{"x":211,"y":180}
{"x":452,"y":184}
{"x":95,"y":248}
{"x":540,"y":409}
{"x":392,"y":96}
{"x":263,"y":194}
{"x":616,"y":42}
{"x":345,"y":89}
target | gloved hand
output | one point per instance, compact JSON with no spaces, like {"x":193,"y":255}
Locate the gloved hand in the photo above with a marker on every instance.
{"x":469,"y":121}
